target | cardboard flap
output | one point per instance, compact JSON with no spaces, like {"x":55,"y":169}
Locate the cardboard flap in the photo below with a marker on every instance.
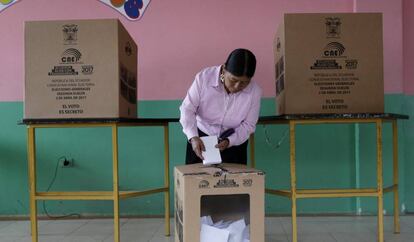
{"x":216,"y":170}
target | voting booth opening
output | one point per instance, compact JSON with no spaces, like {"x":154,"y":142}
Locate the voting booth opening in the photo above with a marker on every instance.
{"x":221,"y":203}
{"x":225,"y":218}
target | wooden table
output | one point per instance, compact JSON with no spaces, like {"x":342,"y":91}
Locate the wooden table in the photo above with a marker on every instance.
{"x":115,"y":194}
{"x":294,"y":193}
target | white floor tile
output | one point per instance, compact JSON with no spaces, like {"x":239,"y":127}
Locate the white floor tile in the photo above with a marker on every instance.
{"x":315,"y":238}
{"x":43,"y":238}
{"x":354,"y":237}
{"x":64,"y":227}
{"x":276,"y":238}
{"x":9,"y":238}
{"x":277,"y":229}
{"x":5,"y":223}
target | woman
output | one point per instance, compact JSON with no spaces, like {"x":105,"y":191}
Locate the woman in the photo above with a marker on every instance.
{"x":222,"y":101}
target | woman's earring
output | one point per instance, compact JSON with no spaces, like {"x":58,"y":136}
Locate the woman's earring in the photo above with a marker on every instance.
{"x":222,"y":77}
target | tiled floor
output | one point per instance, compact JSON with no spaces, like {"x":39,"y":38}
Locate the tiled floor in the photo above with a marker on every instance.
{"x":278,"y":229}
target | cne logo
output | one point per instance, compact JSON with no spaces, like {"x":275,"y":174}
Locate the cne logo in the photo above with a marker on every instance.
{"x":70,"y":33}
{"x":333,"y":27}
{"x":71,"y":56}
{"x":333,"y":49}
{"x":203,"y":184}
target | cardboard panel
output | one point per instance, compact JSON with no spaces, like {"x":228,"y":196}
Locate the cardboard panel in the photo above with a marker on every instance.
{"x":333,"y":63}
{"x":229,"y":185}
{"x":73,"y":69}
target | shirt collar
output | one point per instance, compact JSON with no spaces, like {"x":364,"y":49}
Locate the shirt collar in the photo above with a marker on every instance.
{"x":217,"y":81}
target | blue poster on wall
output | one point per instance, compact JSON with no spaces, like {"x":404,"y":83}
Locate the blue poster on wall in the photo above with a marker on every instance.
{"x":6,"y":3}
{"x":131,"y":9}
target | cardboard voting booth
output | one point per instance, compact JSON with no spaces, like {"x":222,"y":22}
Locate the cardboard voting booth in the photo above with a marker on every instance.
{"x":231,"y":196}
{"x":79,"y":69}
{"x":329,"y":63}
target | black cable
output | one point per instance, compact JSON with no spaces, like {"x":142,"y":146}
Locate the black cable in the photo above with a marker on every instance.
{"x":269,"y":141}
{"x":48,"y":188}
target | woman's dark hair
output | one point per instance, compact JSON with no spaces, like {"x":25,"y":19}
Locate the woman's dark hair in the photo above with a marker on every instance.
{"x":241,"y":62}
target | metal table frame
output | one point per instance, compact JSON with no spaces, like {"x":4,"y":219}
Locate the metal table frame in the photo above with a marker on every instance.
{"x":294,"y":193}
{"x":115,"y":195}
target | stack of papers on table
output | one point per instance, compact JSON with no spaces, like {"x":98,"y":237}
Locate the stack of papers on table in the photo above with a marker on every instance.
{"x":224,"y":231}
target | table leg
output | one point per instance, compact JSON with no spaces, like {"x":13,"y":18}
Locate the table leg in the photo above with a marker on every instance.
{"x":251,"y":143}
{"x":32,"y":181}
{"x":395,"y":177}
{"x":115,"y":184}
{"x":293,"y":179}
{"x":167,"y":180}
{"x":380,"y":182}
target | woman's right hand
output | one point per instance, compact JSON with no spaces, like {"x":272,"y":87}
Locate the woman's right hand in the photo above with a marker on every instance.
{"x":198,"y":146}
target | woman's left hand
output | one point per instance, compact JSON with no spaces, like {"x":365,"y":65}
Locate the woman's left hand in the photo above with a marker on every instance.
{"x":223,"y":144}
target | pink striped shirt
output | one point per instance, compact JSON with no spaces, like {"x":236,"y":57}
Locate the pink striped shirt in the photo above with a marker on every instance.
{"x":210,"y":108}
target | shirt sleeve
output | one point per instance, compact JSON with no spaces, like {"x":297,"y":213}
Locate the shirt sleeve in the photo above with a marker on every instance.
{"x":248,"y":125}
{"x":189,"y":107}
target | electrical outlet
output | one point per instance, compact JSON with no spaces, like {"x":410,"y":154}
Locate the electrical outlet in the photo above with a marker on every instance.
{"x":67,"y":163}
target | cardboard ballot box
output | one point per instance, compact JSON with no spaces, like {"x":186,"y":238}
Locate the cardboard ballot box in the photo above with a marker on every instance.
{"x":329,"y":63}
{"x":79,"y":69}
{"x":224,"y":192}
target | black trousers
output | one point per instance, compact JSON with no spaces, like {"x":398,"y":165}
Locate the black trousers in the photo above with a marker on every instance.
{"x":235,"y":154}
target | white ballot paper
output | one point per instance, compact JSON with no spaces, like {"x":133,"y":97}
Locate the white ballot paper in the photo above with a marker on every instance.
{"x":209,"y":234}
{"x":212,"y":154}
{"x":223,"y":231}
{"x":236,"y":230}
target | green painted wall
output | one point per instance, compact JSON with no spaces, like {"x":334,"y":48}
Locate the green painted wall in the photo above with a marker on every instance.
{"x":408,"y":155}
{"x":326,"y":157}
